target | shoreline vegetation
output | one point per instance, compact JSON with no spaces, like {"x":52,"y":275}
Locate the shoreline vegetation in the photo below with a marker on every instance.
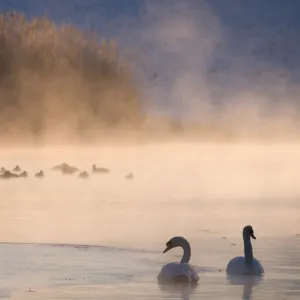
{"x":59,"y":79}
{"x":62,"y":85}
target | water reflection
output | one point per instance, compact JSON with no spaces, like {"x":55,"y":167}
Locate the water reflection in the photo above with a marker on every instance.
{"x":247,"y":281}
{"x":181,"y":290}
{"x":4,"y":293}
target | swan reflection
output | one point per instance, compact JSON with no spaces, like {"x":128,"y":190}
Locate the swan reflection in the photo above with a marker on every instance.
{"x":180,"y":290}
{"x":248,"y":281}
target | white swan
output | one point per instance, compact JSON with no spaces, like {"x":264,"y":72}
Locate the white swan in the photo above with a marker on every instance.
{"x":178,"y":272}
{"x":245,"y":265}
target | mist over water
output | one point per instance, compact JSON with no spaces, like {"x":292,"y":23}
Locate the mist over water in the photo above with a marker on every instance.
{"x":183,"y":182}
{"x":207,"y":124}
{"x":206,"y":193}
{"x":183,"y":72}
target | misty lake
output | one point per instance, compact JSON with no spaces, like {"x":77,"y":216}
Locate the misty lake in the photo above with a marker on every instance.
{"x":63,"y":237}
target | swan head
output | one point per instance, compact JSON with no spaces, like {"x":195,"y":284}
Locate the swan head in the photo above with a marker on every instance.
{"x":174,"y":242}
{"x":248,"y":232}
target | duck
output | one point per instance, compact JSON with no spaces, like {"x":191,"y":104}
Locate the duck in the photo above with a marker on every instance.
{"x":96,"y":169}
{"x":245,"y":265}
{"x":24,"y":174}
{"x":17,"y":168}
{"x":7,"y":175}
{"x":181,"y":272}
{"x":83,"y":174}
{"x":65,"y":168}
{"x":129,"y":176}
{"x":40,"y":174}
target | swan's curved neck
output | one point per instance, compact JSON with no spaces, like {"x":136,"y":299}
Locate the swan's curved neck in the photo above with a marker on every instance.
{"x":248,"y":250}
{"x":186,"y":251}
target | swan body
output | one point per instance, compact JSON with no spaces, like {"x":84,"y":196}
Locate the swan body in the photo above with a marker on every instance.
{"x":237,"y":266}
{"x":178,"y":272}
{"x":245,"y":265}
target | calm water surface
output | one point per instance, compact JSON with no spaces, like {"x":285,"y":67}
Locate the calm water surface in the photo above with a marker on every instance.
{"x":102,"y":238}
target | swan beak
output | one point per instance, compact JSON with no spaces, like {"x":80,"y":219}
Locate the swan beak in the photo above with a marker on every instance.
{"x":167,"y":249}
{"x":253,"y":236}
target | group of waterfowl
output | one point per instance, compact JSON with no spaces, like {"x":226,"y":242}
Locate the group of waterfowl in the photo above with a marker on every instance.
{"x":15,"y":173}
{"x":171,"y":272}
{"x":64,"y":168}
{"x":184,"y":272}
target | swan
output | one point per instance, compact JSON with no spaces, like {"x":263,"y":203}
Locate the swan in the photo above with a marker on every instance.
{"x":247,"y":265}
{"x":178,"y":272}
